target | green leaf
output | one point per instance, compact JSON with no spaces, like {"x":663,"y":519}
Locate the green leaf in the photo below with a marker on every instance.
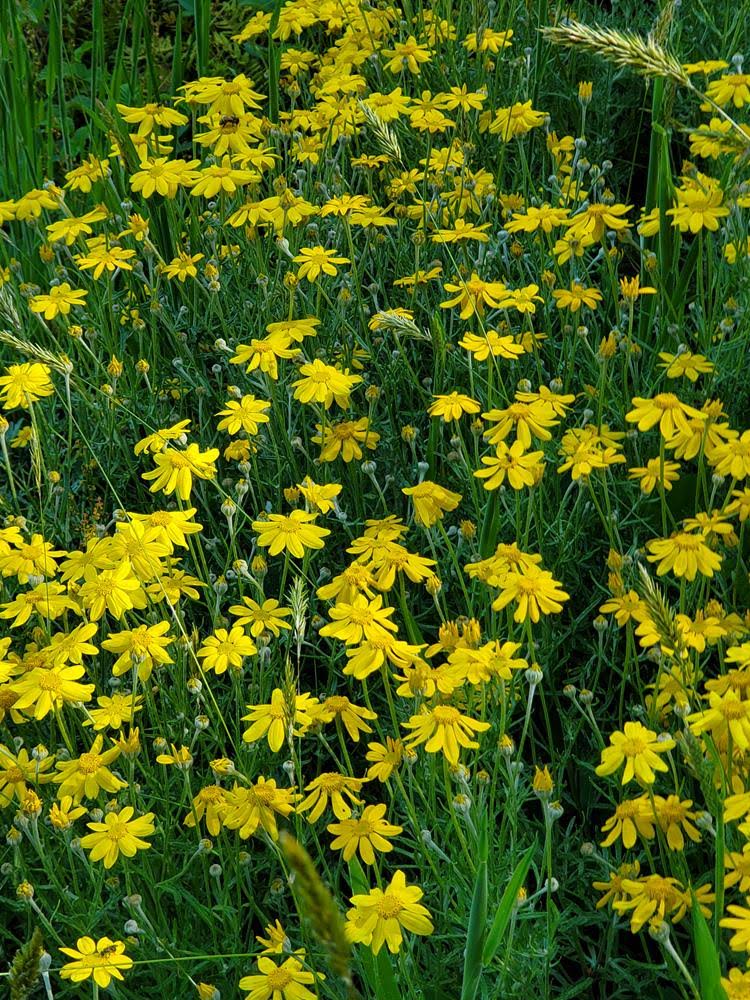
{"x":709,"y":968}
{"x":475,"y":934}
{"x":505,"y":908}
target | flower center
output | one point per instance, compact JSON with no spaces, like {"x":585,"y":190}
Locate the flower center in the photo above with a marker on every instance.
{"x":278,"y":979}
{"x":89,"y":763}
{"x":445,"y":715}
{"x":389,"y":907}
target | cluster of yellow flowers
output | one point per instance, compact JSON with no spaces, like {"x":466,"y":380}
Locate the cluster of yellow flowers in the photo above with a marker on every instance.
{"x":437,"y":654}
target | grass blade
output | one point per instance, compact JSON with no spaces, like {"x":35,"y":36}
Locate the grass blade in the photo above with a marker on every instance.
{"x":505,"y":908}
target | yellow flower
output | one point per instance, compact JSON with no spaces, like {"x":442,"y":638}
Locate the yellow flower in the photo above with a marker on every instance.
{"x":346,"y":438}
{"x":359,"y":619}
{"x":444,"y":728}
{"x":636,"y":747}
{"x":367,"y":834}
{"x":653,"y":897}
{"x":684,"y":554}
{"x":535,"y":591}
{"x":258,"y":806}
{"x":315,"y":261}
{"x":331,"y":787}
{"x":698,"y":209}
{"x":576,"y":296}
{"x":20,"y":771}
{"x":85,"y":776}
{"x":266,"y":617}
{"x":738,"y":921}
{"x":211,"y":803}
{"x":280,"y":719}
{"x":528,"y":419}
{"x":101,"y":961}
{"x":473,"y":295}
{"x":521,"y":468}
{"x":352,"y":716}
{"x":631,"y":817}
{"x":377,"y":917}
{"x":114,"y":712}
{"x":727,"y":715}
{"x":226,"y":649}
{"x":430,"y":502}
{"x":246,"y":414}
{"x":24,"y":384}
{"x":546,"y":218}
{"x":157,"y":441}
{"x":58,"y":301}
{"x":666,"y":410}
{"x":322,"y":383}
{"x":180,"y":758}
{"x":655,"y":472}
{"x":118,"y":834}
{"x":732,"y":88}
{"x":278,"y":982}
{"x":521,"y":299}
{"x":113,"y":590}
{"x":385,"y":758}
{"x":293,"y":533}
{"x":685,"y":365}
{"x":141,"y":647}
{"x":182,"y":266}
{"x":406,"y":55}
{"x":453,"y":406}
{"x":175,"y":469}
{"x":151,"y":116}
{"x":491,"y":344}
{"x":43,"y":690}
{"x":320,"y":496}
{"x":63,"y":814}
{"x":265,"y":354}
{"x":630,"y":288}
{"x":731,"y":458}
{"x":674,"y":818}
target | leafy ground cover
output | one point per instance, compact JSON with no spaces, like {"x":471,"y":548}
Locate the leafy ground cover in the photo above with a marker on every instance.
{"x":375,"y":450}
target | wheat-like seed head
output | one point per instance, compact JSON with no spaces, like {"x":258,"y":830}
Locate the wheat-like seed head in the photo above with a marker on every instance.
{"x":623,"y":48}
{"x":317,"y":904}
{"x":661,"y":616}
{"x":399,"y":324}
{"x":384,"y":135}
{"x":59,"y":362}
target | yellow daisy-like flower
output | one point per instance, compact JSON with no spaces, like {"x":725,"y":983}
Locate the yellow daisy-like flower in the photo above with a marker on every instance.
{"x":287,"y":981}
{"x":315,"y":261}
{"x":453,"y":406}
{"x":380,"y":916}
{"x":444,"y":729}
{"x":534,"y":590}
{"x":367,"y":834}
{"x":24,"y":384}
{"x":175,"y":469}
{"x":118,"y":834}
{"x":431,"y":501}
{"x":102,"y":961}
{"x":638,"y":748}
{"x":684,"y":554}
{"x":293,"y":533}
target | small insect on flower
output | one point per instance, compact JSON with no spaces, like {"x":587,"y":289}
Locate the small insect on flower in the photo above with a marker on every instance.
{"x":102,"y":961}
